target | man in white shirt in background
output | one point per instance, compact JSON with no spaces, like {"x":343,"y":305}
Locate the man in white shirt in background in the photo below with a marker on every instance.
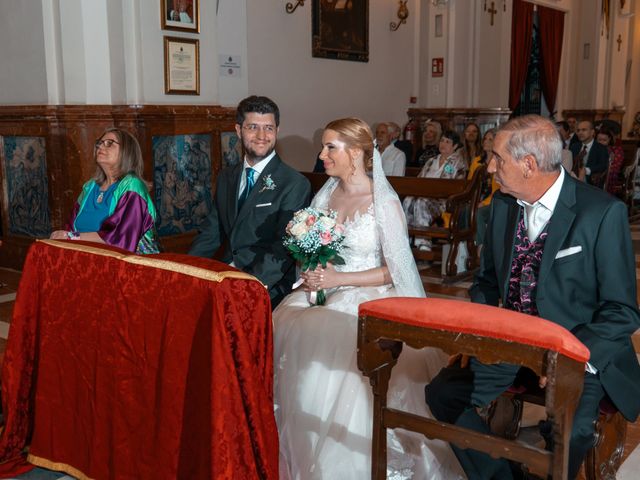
{"x":393,"y":159}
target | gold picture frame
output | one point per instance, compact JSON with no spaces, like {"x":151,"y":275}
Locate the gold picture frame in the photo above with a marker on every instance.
{"x":180,"y":15}
{"x":181,"y":66}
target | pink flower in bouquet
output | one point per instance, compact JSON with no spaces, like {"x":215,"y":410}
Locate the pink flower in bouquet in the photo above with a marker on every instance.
{"x":311,"y":219}
{"x":325,"y":238}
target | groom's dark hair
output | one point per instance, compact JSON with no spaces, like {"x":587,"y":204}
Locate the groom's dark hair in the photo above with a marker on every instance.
{"x":256,"y":104}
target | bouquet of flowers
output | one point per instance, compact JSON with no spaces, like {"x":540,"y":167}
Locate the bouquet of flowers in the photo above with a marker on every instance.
{"x":315,"y":238}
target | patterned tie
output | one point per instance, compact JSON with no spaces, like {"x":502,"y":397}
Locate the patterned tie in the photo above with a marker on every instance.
{"x":247,"y":189}
{"x":579,"y":160}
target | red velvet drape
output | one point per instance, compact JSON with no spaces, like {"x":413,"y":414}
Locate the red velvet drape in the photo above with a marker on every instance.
{"x":521,"y":30}
{"x":551,"y":32}
{"x":125,"y":366}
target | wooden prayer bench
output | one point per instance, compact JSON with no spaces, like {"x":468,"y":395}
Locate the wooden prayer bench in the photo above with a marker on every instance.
{"x":462,"y":203}
{"x":490,"y":334}
{"x":462,"y":208}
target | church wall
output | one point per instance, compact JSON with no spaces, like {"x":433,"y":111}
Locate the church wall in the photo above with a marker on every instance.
{"x":620,"y":41}
{"x":632,"y":92}
{"x":76,"y":67}
{"x":476,"y":56}
{"x":313,"y":91}
{"x":492,"y":57}
{"x":22,"y":55}
{"x":231,"y":39}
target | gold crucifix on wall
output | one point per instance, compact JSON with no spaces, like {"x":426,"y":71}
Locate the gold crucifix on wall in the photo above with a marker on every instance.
{"x":492,"y":11}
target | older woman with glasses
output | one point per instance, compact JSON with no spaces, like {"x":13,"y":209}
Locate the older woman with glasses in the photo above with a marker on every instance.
{"x":115,"y":207}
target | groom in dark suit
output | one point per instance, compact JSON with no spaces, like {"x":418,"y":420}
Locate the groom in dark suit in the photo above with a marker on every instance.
{"x":560,"y":249}
{"x":253,"y":203}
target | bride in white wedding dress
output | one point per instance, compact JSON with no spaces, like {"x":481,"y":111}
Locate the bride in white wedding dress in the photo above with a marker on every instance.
{"x":323,"y":402}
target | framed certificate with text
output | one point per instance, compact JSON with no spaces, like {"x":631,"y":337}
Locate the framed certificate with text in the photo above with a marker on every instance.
{"x":181,"y":66}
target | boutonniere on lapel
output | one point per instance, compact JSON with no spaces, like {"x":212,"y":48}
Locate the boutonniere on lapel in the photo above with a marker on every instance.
{"x":268,"y":184}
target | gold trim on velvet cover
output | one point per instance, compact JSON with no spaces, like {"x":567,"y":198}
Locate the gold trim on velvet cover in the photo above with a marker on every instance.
{"x":153,"y":262}
{"x":58,"y":467}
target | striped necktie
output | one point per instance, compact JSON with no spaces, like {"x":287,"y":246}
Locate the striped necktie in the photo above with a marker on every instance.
{"x":578,"y":162}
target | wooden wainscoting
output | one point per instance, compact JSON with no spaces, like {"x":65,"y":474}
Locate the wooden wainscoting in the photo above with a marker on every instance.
{"x":46,"y":152}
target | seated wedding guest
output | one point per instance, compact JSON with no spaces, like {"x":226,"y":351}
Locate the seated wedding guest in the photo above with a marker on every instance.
{"x":405,"y":145}
{"x":323,"y":404}
{"x":448,"y":164}
{"x":563,"y":130}
{"x":616,"y":159}
{"x":572,"y":123}
{"x":115,"y":207}
{"x":430,"y":142}
{"x":472,"y":144}
{"x":590,"y":159}
{"x":549,"y":239}
{"x":567,"y":156}
{"x":489,"y":185}
{"x":393,"y":159}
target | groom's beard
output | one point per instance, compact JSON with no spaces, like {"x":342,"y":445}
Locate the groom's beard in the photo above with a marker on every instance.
{"x":254,"y":157}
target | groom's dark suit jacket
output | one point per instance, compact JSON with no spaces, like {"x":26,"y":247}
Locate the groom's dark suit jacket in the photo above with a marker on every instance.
{"x":252,"y":236}
{"x":589,"y":289}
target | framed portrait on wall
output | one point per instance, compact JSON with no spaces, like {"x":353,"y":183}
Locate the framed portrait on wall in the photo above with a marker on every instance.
{"x":181,"y":66}
{"x":340,"y":29}
{"x":182,"y":15}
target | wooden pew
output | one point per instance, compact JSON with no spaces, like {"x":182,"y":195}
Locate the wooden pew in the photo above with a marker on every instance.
{"x":462,"y":202}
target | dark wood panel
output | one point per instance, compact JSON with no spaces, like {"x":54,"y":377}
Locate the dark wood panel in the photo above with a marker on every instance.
{"x":419,"y":187}
{"x":69,"y":132}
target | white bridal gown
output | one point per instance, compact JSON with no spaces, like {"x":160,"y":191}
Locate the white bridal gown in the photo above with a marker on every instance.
{"x":324,"y":403}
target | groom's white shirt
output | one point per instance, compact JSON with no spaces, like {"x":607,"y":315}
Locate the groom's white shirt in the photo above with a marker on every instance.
{"x":258,"y":167}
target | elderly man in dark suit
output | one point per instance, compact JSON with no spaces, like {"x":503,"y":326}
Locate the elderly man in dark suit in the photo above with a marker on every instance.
{"x":559,"y":249}
{"x":254,"y":201}
{"x":590,"y":159}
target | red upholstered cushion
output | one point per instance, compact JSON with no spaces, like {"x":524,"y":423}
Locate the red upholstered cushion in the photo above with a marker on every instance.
{"x":474,"y":318}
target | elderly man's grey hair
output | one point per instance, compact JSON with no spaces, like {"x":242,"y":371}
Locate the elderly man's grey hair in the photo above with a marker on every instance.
{"x":537,"y":136}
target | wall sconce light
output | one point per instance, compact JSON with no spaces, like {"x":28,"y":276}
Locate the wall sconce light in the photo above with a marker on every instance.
{"x":290,"y":7}
{"x":403,"y":13}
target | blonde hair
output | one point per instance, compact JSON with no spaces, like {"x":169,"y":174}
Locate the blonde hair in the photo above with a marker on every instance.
{"x":438,"y":129}
{"x":355,"y":133}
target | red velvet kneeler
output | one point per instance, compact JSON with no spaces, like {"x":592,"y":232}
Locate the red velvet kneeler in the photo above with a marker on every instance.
{"x":126,"y":366}
{"x":475,"y":318}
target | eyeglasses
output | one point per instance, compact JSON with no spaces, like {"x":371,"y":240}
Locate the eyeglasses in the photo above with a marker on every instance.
{"x":254,"y":128}
{"x":108,"y":143}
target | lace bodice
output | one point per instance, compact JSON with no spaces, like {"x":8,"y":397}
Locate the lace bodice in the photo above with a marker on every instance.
{"x":362,"y":245}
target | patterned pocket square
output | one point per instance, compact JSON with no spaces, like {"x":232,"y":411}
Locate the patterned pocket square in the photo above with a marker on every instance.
{"x":569,"y":251}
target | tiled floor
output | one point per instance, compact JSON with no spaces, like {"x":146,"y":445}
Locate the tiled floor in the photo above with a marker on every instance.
{"x":9,"y":280}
